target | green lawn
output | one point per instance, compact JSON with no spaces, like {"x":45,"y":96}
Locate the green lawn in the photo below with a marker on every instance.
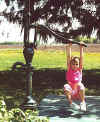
{"x":57,"y":59}
{"x":46,"y":59}
{"x":8,"y":57}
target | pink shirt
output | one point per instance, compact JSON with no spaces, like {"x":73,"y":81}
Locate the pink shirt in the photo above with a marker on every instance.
{"x":74,"y":76}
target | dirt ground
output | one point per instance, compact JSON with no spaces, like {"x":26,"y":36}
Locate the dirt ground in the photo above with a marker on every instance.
{"x":90,"y":47}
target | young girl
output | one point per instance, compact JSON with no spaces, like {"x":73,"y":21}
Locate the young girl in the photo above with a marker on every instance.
{"x":74,"y":87}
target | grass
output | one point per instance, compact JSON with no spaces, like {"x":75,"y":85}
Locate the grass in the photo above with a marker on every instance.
{"x":49,"y":59}
{"x":92,"y":61}
{"x":49,"y":74}
{"x":46,"y":59}
{"x":8,"y":57}
{"x":57,"y":59}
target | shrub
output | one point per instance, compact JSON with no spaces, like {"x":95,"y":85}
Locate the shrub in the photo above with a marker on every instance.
{"x":18,"y":115}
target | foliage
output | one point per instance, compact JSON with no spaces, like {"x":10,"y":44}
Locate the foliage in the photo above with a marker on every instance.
{"x":56,"y":14}
{"x":18,"y":115}
{"x":85,"y":39}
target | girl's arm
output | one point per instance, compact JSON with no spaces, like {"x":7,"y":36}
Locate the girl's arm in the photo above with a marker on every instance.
{"x":81,"y":57}
{"x":68,"y":55}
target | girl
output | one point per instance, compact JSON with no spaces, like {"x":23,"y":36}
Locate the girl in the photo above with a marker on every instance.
{"x":74,"y":88}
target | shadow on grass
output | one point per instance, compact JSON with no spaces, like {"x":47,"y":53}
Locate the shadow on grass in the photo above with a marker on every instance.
{"x":47,"y":78}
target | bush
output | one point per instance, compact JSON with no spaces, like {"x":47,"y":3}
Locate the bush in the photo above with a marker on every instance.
{"x":86,"y":39}
{"x":18,"y":115}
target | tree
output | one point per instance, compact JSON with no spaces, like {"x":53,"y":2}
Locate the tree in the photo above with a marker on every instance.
{"x":61,"y":13}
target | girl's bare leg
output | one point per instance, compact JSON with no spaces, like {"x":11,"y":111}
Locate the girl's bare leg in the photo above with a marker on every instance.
{"x":82,"y":104}
{"x":68,"y":95}
{"x":82,"y":95}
